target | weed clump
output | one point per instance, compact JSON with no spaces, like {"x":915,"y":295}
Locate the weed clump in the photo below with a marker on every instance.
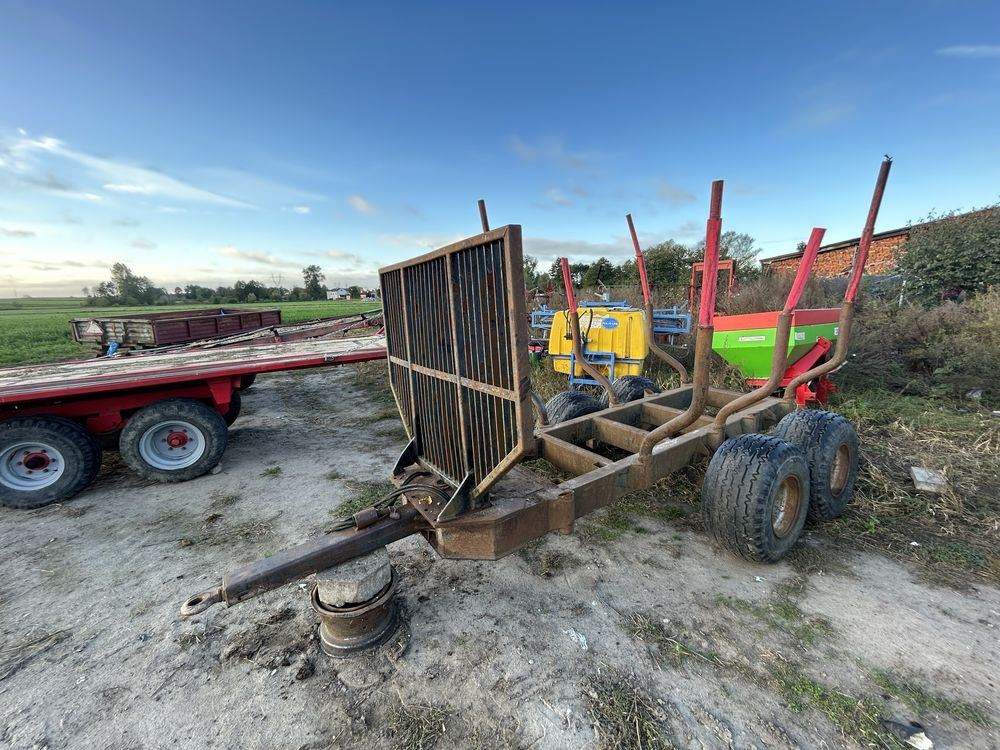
{"x":624,"y":715}
{"x":416,"y":727}
{"x":930,"y":704}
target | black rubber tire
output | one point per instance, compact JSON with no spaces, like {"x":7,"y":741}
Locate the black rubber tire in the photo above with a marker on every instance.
{"x":207,"y":419}
{"x":830,"y":445}
{"x":741,"y":487}
{"x":630,"y":388}
{"x":81,"y":457}
{"x":235,"y":405}
{"x":569,"y":405}
{"x":247,"y":380}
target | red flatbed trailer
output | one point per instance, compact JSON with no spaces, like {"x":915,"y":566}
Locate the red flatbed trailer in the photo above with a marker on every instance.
{"x":167,"y":413}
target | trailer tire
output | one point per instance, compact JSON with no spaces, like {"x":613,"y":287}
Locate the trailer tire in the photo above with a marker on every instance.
{"x":174,"y":440}
{"x":235,"y":405}
{"x":569,"y":405}
{"x":756,"y":497}
{"x":830,"y":445}
{"x":51,"y":440}
{"x":630,"y":388}
{"x":247,"y":380}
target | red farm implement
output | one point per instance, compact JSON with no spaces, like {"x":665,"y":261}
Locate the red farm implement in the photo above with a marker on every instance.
{"x":456,"y":335}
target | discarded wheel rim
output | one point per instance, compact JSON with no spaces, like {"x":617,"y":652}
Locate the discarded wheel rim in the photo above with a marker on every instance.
{"x":344,"y":631}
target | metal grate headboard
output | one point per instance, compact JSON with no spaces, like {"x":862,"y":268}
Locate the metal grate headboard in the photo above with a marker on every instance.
{"x":456,"y":331}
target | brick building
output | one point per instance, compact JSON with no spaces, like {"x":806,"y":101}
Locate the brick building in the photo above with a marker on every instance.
{"x":835,"y":259}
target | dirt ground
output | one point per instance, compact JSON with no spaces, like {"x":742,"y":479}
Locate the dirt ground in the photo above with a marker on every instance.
{"x":626,"y":634}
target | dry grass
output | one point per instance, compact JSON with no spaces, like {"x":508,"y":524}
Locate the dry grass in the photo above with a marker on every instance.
{"x":373,"y":378}
{"x":950,"y":535}
{"x":624,"y":715}
{"x":416,"y":727}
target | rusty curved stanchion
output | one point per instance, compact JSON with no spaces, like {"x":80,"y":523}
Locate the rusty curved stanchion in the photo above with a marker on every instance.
{"x":779,"y":357}
{"x":574,"y":326}
{"x":703,"y":340}
{"x":853,"y":283}
{"x":650,"y":337}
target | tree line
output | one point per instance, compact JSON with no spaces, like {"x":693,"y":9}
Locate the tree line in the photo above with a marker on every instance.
{"x":667,"y":264}
{"x":126,"y":288}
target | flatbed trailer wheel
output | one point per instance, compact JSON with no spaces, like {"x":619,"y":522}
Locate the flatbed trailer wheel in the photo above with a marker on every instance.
{"x":569,"y":405}
{"x":44,"y":460}
{"x":247,"y":380}
{"x":630,"y":388}
{"x":830,"y":444}
{"x":756,"y":496}
{"x":174,"y":440}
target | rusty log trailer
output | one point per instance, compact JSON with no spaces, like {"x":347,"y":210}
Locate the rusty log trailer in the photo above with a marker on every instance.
{"x":458,"y":368}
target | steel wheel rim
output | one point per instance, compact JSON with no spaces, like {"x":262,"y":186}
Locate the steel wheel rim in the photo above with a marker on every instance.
{"x":841,"y":469}
{"x":30,"y":466}
{"x":785,"y":510}
{"x":172,"y":445}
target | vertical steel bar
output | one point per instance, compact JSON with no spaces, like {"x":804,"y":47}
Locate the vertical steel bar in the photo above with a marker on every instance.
{"x":703,"y":340}
{"x":853,"y":284}
{"x":482,"y":216}
{"x":650,"y":334}
{"x":574,"y":324}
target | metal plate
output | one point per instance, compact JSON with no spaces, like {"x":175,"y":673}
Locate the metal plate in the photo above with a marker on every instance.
{"x":456,"y":332}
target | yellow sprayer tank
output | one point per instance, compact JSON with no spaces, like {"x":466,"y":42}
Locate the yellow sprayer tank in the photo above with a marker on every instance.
{"x":609,"y":334}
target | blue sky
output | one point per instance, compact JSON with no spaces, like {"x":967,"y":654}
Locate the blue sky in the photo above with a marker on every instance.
{"x":205,"y":142}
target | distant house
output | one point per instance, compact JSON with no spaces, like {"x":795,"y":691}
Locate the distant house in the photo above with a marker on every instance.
{"x":835,"y":259}
{"x":337,"y":294}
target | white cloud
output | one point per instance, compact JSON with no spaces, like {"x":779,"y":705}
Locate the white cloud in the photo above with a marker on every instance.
{"x":674,"y":194}
{"x":362,"y":206}
{"x":975,"y":51}
{"x":558,"y":197}
{"x":544,"y":248}
{"x":300,"y":210}
{"x":141,"y":244}
{"x":823,"y":115}
{"x":132,"y":189}
{"x":426,"y":241}
{"x":550,"y":149}
{"x":18,"y":233}
{"x":345,"y":257}
{"x":264,"y":259}
{"x":22,"y":156}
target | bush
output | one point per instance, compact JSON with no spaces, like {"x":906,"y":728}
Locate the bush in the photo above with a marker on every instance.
{"x":952,"y":256}
{"x":944,"y":351}
{"x":770,"y":291}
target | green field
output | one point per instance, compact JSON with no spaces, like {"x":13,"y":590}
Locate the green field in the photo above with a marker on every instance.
{"x":37,"y":330}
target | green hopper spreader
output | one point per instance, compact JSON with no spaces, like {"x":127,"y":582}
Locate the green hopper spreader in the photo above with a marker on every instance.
{"x":747,"y":342}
